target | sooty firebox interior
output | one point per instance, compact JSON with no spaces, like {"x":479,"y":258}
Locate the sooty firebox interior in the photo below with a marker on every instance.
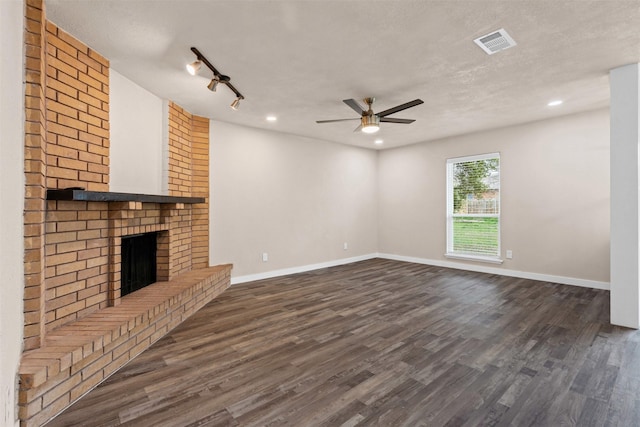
{"x":138,"y":262}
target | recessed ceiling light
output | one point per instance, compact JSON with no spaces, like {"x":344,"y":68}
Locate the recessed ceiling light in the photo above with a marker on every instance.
{"x":271,"y":118}
{"x":378,"y":141}
{"x":555,"y":103}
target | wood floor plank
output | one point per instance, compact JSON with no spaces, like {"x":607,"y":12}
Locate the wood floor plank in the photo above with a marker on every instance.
{"x":382,"y":342}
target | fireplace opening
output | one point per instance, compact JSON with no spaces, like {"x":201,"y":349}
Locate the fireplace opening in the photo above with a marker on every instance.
{"x":138,"y":267}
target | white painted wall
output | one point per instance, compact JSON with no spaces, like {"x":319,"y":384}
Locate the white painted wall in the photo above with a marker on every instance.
{"x":12,"y":196}
{"x":554,"y":197}
{"x":297,"y":199}
{"x":625,"y":182}
{"x":137,"y":122}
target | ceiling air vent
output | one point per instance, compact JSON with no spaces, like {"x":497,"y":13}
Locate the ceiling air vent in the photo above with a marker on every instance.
{"x":495,"y":41}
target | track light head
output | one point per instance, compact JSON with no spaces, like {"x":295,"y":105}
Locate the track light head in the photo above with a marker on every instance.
{"x":213,"y":84}
{"x":194,"y":67}
{"x":236,"y":103}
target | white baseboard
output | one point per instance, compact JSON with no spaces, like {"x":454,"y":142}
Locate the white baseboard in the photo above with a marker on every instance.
{"x":301,"y":269}
{"x":501,"y":271}
{"x":438,"y":263}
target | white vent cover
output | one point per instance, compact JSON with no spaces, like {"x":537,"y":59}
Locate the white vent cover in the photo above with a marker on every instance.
{"x":495,"y":41}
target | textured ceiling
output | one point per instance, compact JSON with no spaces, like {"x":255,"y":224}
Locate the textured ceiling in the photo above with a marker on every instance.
{"x":299,"y":59}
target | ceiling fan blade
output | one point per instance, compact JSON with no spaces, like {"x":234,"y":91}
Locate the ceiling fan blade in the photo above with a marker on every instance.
{"x":336,"y":120}
{"x":400,"y":107}
{"x":392,"y":120}
{"x":354,"y":105}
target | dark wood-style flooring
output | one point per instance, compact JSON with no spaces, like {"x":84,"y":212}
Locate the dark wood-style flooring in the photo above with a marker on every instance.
{"x":384,"y":343}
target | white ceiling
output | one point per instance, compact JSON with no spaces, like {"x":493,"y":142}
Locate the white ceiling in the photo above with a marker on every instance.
{"x":298,"y":59}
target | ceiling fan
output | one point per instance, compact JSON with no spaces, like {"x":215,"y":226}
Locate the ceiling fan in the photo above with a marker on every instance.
{"x":370,"y":121}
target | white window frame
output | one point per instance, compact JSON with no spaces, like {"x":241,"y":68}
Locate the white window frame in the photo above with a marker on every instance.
{"x":450,"y":215}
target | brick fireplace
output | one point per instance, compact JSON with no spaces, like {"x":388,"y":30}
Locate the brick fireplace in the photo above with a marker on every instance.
{"x":83,"y":245}
{"x":78,"y":328}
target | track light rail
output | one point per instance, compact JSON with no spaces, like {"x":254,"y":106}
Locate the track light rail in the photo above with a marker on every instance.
{"x":223,"y":78}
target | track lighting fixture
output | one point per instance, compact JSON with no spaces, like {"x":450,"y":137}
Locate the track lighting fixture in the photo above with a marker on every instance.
{"x":236,"y":103}
{"x":194,"y":67}
{"x":217,"y":77}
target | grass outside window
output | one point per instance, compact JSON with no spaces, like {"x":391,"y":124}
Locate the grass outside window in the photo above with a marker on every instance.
{"x":475,"y":235}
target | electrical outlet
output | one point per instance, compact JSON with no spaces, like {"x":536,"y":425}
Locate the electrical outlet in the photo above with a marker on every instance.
{"x":265,"y":257}
{"x":345,"y":246}
{"x":509,"y":254}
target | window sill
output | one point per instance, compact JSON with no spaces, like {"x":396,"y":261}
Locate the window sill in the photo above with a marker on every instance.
{"x":477,"y":258}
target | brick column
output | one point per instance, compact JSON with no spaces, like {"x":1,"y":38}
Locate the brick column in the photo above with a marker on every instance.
{"x":179,"y":151}
{"x":176,"y":244}
{"x":200,"y":185}
{"x":35,"y":174}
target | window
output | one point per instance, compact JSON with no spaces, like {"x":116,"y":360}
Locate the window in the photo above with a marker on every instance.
{"x":473,"y":207}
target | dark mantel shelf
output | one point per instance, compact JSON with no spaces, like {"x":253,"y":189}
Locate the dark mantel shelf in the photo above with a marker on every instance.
{"x":107,"y":196}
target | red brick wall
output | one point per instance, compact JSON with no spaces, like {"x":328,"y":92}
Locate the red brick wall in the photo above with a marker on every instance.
{"x":189,"y":176}
{"x":200,"y":188}
{"x":180,"y":123}
{"x":77,"y":251}
{"x":77,"y":105}
{"x":66,"y":145}
{"x":180,"y":242}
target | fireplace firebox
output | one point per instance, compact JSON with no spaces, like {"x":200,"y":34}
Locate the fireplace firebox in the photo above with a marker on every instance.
{"x":139,"y":263}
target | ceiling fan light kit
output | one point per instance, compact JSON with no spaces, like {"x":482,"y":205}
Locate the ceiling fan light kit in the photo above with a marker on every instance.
{"x":218,"y":77}
{"x":370,"y":124}
{"x":370,"y":121}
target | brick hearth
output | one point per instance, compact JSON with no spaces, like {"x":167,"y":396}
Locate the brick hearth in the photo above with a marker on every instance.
{"x":79,"y":355}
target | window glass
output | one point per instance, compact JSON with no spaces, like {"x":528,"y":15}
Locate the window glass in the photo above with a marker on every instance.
{"x":473,"y":206}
